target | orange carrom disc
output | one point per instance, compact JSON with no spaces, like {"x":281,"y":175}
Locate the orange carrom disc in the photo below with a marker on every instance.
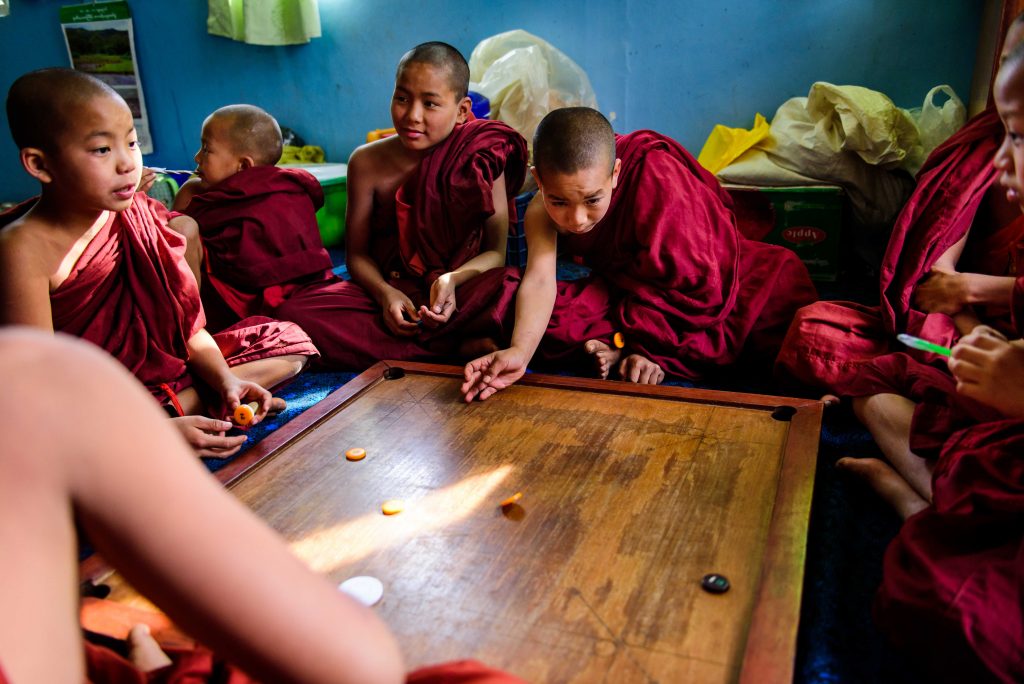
{"x":392,"y":507}
{"x":512,"y":499}
{"x":618,"y":340}
{"x":355,"y":454}
{"x":244,"y":413}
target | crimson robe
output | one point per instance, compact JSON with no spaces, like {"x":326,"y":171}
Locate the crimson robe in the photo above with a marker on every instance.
{"x":841,"y":347}
{"x":132,"y":294}
{"x":437,"y":226}
{"x":260,"y":238}
{"x":672,"y":272}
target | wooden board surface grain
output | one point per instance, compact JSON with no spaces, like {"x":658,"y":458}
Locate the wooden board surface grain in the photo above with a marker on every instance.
{"x":630,"y":496}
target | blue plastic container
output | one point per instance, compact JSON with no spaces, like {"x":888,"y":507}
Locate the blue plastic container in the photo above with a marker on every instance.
{"x":481,"y":105}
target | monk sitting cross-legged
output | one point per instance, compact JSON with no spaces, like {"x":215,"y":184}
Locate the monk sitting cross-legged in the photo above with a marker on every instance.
{"x":93,"y":258}
{"x":426,"y":227}
{"x":671,"y":272}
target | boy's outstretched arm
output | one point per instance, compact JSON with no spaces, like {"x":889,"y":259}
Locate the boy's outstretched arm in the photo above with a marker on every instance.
{"x":492,"y":255}
{"x":534,"y":302}
{"x":168,"y":526}
{"x":363,"y":269}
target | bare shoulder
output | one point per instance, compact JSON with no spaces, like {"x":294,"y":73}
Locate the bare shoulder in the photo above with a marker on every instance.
{"x":29,"y":246}
{"x":538,"y":225}
{"x":378,"y":163}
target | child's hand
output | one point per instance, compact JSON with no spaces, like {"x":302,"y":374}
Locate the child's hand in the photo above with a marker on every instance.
{"x":206,"y":436}
{"x":941,"y":292}
{"x":400,"y":315}
{"x":236,"y":391}
{"x":493,"y":372}
{"x":990,"y":369}
{"x":442,"y":303}
{"x":148,"y":178}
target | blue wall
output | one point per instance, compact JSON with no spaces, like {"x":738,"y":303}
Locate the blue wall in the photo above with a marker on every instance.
{"x":678,"y":67}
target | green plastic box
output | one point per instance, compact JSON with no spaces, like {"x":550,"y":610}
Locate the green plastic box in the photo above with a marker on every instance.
{"x":331,"y":217}
{"x":806,"y":219}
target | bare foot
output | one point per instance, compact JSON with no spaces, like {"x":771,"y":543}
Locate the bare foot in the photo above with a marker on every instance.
{"x":886,"y":482}
{"x":277,"y":405}
{"x":829,"y":400}
{"x":604,"y":357}
{"x":143,"y":650}
{"x":641,"y":370}
{"x":476,"y":347}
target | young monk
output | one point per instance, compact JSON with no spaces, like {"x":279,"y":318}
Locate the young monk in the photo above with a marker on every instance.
{"x":953,"y":580}
{"x":428,"y":216}
{"x":237,"y":589}
{"x":93,"y":258}
{"x":671,"y":272}
{"x":258,"y":238}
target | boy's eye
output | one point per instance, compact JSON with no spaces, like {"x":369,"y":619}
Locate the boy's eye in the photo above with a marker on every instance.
{"x":593,"y":200}
{"x":101,"y":150}
{"x":432,"y":105}
{"x":1015,"y":138}
{"x":132,"y":144}
{"x":398,"y":98}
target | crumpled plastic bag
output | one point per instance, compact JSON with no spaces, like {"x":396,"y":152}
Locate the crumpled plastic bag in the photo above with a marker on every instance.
{"x":525,"y":77}
{"x":936,"y":123}
{"x":725,"y":144}
{"x":307,"y":154}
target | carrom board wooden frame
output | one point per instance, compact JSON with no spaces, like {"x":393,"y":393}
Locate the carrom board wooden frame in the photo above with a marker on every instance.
{"x":763,"y":652}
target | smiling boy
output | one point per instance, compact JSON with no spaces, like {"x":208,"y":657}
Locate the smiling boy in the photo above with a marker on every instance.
{"x":671,"y":273}
{"x":428,"y":214}
{"x":93,"y":258}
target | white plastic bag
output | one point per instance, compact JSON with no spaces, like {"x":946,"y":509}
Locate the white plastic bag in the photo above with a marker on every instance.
{"x":936,"y":123}
{"x":525,"y":77}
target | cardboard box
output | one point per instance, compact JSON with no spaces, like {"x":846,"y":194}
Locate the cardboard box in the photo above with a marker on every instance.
{"x":331,"y":217}
{"x":806,"y":219}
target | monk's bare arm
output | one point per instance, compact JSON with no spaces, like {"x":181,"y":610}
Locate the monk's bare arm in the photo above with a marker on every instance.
{"x":206,"y":360}
{"x":534,"y":303}
{"x":186,"y":192}
{"x":360,"y":188}
{"x":946,"y":290}
{"x":24,"y":281}
{"x":536,"y":297}
{"x":494,"y":241}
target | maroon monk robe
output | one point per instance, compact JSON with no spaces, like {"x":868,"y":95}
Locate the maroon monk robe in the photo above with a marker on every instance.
{"x":132,"y":294}
{"x":437,"y":226}
{"x":830,"y":343}
{"x":260,"y":238}
{"x":685,"y":288}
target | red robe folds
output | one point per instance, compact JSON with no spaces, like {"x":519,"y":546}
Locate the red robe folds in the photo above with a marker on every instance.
{"x":260,"y":238}
{"x":685,"y":288}
{"x":131,"y":293}
{"x":843,"y":347}
{"x":438,"y":226}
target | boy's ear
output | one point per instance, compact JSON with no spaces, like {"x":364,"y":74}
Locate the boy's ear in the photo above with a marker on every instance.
{"x":246,"y":162}
{"x":615,"y":173}
{"x":536,"y":177}
{"x":464,"y":108}
{"x":34,"y":161}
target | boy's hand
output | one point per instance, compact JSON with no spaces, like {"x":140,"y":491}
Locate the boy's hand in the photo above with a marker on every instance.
{"x":236,"y":391}
{"x":493,"y":372}
{"x":400,"y":316}
{"x":148,"y":178}
{"x":990,"y":369}
{"x":941,"y":292}
{"x":206,"y":436}
{"x":442,"y":302}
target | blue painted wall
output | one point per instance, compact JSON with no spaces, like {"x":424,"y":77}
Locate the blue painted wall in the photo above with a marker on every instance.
{"x":679,"y":67}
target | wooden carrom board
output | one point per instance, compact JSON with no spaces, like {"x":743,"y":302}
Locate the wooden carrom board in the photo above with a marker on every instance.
{"x":631,"y":494}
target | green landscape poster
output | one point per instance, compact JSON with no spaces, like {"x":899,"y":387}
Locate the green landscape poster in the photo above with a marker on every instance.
{"x":100,"y":41}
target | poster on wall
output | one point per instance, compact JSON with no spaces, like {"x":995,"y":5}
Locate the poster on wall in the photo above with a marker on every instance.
{"x":100,"y":41}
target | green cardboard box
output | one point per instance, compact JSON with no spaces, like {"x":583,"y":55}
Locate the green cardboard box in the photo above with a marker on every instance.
{"x":331,"y":217}
{"x":805,"y":219}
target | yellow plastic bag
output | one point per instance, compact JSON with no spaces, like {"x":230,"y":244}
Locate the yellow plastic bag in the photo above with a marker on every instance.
{"x":725,"y":144}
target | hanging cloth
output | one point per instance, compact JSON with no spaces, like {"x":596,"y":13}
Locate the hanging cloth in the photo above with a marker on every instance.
{"x":265,"y":22}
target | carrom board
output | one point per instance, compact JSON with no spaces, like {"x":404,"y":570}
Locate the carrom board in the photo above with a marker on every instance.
{"x":631,"y":495}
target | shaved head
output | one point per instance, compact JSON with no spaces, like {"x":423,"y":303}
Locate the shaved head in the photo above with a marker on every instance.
{"x":252,"y":132}
{"x":444,"y":58}
{"x":573,"y":139}
{"x":41,"y":104}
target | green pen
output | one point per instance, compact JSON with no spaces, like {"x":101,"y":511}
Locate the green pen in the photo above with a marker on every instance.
{"x":923,"y":345}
